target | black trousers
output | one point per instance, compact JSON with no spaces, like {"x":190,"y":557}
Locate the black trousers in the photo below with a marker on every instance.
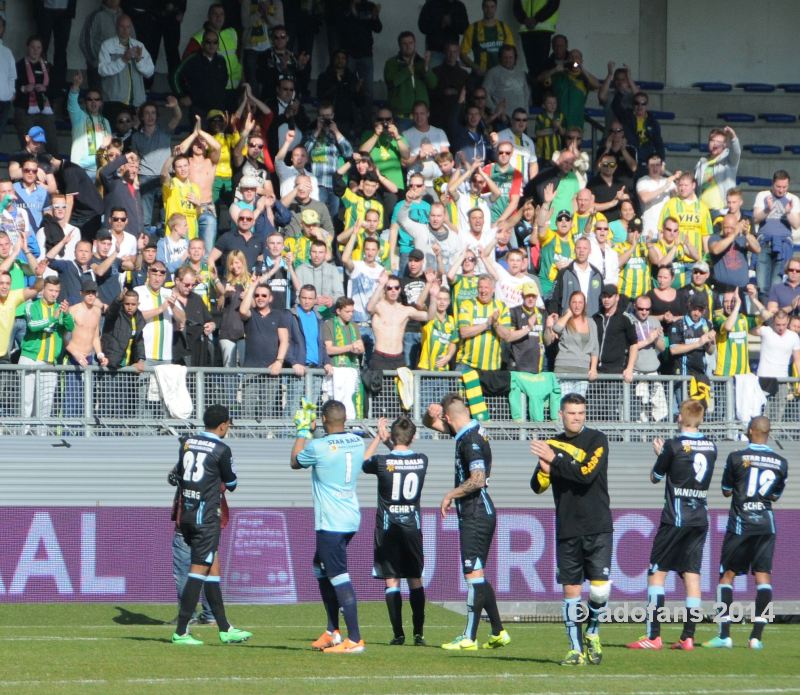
{"x":150,"y":30}
{"x":58,"y":23}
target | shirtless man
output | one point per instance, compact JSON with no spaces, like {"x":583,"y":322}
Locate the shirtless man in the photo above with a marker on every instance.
{"x":203,"y":151}
{"x":84,"y":346}
{"x":389,"y":319}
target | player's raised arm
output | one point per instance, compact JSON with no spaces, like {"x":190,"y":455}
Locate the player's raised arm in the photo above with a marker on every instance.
{"x":661,"y":465}
{"x":433,"y":419}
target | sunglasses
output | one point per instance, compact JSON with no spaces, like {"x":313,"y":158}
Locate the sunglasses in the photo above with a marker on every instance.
{"x":119,"y":219}
{"x":697,"y":271}
{"x":793,"y":270}
{"x":508,"y":152}
{"x":642,"y":308}
{"x":280,"y":37}
{"x":601,"y":229}
{"x":261,"y":294}
{"x":609,"y":165}
{"x":246,"y":219}
{"x":30,"y":171}
{"x":157,"y":272}
{"x":470,"y":260}
{"x":257,"y":145}
{"x":416,"y":185}
{"x":59,"y":207}
{"x":392,"y":287}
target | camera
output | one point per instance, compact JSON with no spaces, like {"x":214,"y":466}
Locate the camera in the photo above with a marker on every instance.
{"x":574,"y":65}
{"x":385,"y":124}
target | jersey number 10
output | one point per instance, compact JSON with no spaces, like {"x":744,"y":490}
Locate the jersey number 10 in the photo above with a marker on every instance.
{"x":408,"y":486}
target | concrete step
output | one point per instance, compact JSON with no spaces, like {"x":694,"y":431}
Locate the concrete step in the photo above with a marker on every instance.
{"x":693,"y":102}
{"x":695,"y":130}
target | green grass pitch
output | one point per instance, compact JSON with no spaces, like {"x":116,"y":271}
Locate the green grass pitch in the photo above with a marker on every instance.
{"x":100,"y":648}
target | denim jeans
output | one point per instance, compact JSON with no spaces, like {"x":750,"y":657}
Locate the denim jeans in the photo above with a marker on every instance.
{"x":769,"y":269}
{"x":327,"y":196}
{"x":368,"y":338}
{"x":412,"y":345}
{"x":181,"y":563}
{"x":207,"y":229}
{"x":150,"y":190}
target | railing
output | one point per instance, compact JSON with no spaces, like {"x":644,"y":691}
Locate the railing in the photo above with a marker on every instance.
{"x":65,"y":401}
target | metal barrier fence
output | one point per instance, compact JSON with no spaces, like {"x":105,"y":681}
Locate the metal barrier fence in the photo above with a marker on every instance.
{"x":66,"y":401}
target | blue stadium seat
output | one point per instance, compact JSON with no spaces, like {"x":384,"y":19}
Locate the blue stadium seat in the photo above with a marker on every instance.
{"x":595,"y":112}
{"x":535,"y":110}
{"x":63,"y":124}
{"x":677,"y":147}
{"x":736,"y":117}
{"x":778,"y":117}
{"x":587,"y":145}
{"x":794,"y":149}
{"x":4,"y":157}
{"x":758,"y":181}
{"x":763,"y":149}
{"x":756,"y":86}
{"x":713,"y":86}
{"x":663,"y":115}
{"x":793,"y":87}
{"x":646,"y":86}
{"x":702,"y":146}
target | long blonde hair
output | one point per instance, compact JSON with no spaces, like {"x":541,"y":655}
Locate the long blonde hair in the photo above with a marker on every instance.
{"x":230,"y":278}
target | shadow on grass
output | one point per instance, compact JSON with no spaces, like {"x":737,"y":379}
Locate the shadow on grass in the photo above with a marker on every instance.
{"x":524,"y":659}
{"x":136,"y":638}
{"x":127,"y":617}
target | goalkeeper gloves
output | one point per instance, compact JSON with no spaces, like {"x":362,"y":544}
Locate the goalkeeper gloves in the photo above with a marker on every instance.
{"x":304,"y":417}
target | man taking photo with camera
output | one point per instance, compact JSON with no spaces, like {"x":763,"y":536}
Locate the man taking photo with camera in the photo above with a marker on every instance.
{"x":325,"y":144}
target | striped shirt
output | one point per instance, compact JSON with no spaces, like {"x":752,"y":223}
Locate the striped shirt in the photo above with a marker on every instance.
{"x":694,"y":220}
{"x":356,"y":206}
{"x":634,"y":277}
{"x":554,"y":249}
{"x":325,"y":154}
{"x":482,"y":351}
{"x":437,"y":336}
{"x":732,"y":346}
{"x":547,"y":145}
{"x":157,"y":330}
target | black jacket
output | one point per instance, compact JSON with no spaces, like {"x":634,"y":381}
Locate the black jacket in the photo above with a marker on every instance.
{"x":117,"y":332}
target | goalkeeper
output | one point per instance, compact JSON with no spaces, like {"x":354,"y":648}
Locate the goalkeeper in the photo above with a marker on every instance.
{"x":575,"y":464}
{"x":335,"y":461}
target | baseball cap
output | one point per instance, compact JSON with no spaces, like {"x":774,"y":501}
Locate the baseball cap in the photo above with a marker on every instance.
{"x":609,"y":289}
{"x":416,"y":255}
{"x":529,"y":288}
{"x":102,"y":235}
{"x":563,"y":214}
{"x":88,"y":286}
{"x":702,"y":266}
{"x":215,"y":113}
{"x":698,"y":300}
{"x":309,"y":216}
{"x":37,"y":134}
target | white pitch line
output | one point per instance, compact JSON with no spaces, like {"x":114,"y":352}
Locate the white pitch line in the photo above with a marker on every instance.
{"x":57,"y":638}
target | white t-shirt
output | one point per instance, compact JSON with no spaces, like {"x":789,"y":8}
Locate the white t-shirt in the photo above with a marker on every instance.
{"x":508,"y":288}
{"x":361,"y":287}
{"x":157,"y":331}
{"x":128,"y":245}
{"x":583,"y":278}
{"x":776,"y":352}
{"x":433,"y":136}
{"x":69,"y":247}
{"x":606,"y":261}
{"x":465,"y":203}
{"x":287,"y":175}
{"x":651,"y":213}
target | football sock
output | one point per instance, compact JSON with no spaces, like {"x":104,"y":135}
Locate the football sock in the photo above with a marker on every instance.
{"x":725,"y":597}
{"x":490,"y":606}
{"x":569,"y":611}
{"x":214,"y":598}
{"x":394,"y":602}
{"x":763,"y":599}
{"x":474,"y":609}
{"x":416,"y":598}
{"x":330,"y":602}
{"x":189,"y":597}
{"x":593,"y":626}
{"x":655,"y":602}
{"x":347,"y":600}
{"x":692,"y":604}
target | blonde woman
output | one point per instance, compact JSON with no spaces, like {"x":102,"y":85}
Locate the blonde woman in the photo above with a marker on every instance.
{"x":578,"y":347}
{"x":231,"y":332}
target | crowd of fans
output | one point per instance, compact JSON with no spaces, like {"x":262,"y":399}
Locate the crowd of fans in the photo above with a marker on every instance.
{"x":252,"y":218}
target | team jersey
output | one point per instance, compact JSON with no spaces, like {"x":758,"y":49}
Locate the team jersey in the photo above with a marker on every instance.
{"x":732,"y":347}
{"x":356,"y":206}
{"x":694,"y":220}
{"x":509,"y":182}
{"x":401,"y":476}
{"x":464,"y":287}
{"x":756,"y":476}
{"x":482,"y":351}
{"x":579,"y":478}
{"x":547,"y":145}
{"x":46,"y":327}
{"x":681,"y":262}
{"x":554,"y":249}
{"x":473,"y":453}
{"x":157,"y":330}
{"x":524,"y":151}
{"x":687,"y":462}
{"x":176,"y":200}
{"x":204,"y":463}
{"x":634,"y":277}
{"x":228,"y":142}
{"x":684,"y":332}
{"x":335,"y":461}
{"x":383,"y":250}
{"x":482,"y":43}
{"x":436,"y":335}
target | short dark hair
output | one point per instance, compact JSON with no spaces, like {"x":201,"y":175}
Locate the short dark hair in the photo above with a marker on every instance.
{"x":215,"y":415}
{"x":572,"y":399}
{"x":342,"y":302}
{"x":308,"y":288}
{"x":52,"y":280}
{"x":371,"y":239}
{"x":451,"y":398}
{"x":403,"y":430}
{"x":404,"y":35}
{"x":780,"y":175}
{"x":334,"y":411}
{"x":316,"y":243}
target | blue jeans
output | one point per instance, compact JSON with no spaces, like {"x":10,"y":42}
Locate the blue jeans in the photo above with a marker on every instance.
{"x":327,"y":196}
{"x":368,"y":338}
{"x":181,"y":563}
{"x":73,"y":392}
{"x":412,"y":345}
{"x":769,"y":269}
{"x":207,"y":230}
{"x":150,"y":190}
